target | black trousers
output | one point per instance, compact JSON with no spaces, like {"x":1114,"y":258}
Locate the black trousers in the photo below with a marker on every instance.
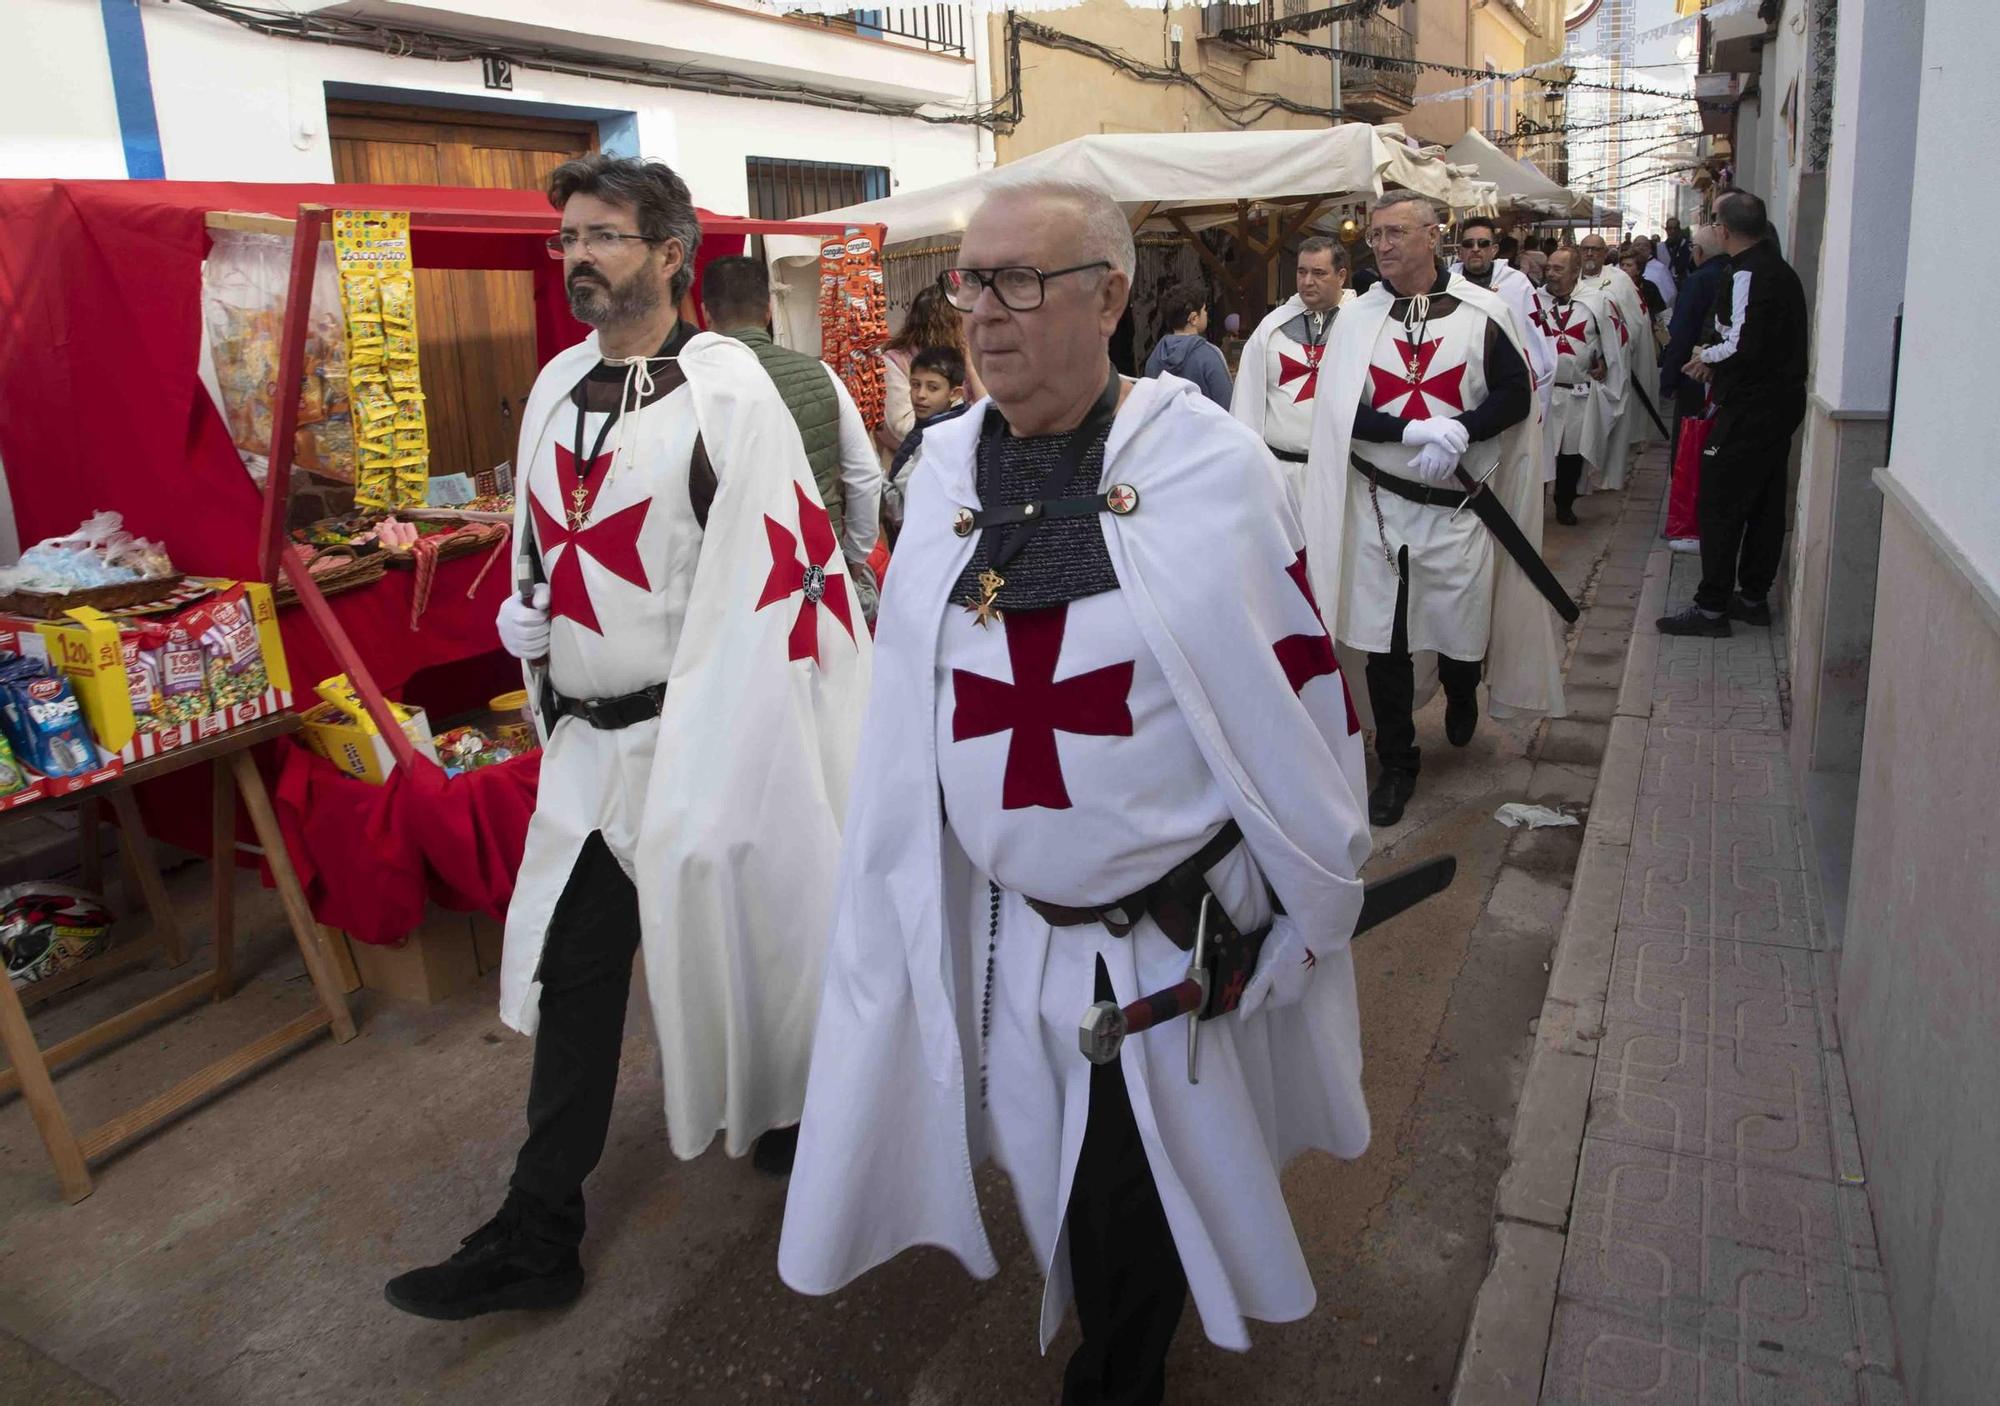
{"x":1741,"y":505}
{"x":586,"y":976}
{"x":1392,"y":684}
{"x":1130,"y":1287}
{"x":1569,"y":478}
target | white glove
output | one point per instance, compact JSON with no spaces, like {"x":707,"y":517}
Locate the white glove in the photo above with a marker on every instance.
{"x":1283,"y":968}
{"x":1434,"y":464}
{"x":524,"y":629}
{"x":1440,"y":430}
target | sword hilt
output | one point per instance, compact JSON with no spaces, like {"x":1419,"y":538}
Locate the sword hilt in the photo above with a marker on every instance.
{"x":1106,"y":1024}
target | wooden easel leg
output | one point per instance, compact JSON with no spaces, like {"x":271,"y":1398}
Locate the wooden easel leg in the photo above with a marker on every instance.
{"x":222,"y":877}
{"x":318,"y":964}
{"x":43,"y":1105}
{"x":139,"y":861}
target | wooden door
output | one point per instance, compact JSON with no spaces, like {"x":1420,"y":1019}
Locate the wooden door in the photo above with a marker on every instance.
{"x":475,"y":327}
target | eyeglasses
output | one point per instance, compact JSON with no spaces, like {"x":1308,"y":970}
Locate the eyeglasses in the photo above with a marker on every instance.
{"x":598,"y":241}
{"x":1018,"y":287}
{"x":1391,"y":234}
{"x":1475,"y":244}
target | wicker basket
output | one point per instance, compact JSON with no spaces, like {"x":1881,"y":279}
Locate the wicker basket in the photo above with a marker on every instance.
{"x":51,"y":605}
{"x":473,"y":537}
{"x":358,"y":570}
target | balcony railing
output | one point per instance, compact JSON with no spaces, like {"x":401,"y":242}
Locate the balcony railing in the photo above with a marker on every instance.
{"x":1218,"y":20}
{"x":939,"y":28}
{"x":1371,"y":91}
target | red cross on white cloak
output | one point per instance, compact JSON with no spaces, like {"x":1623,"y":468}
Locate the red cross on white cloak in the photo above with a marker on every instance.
{"x":1570,"y":336}
{"x":1308,"y":657}
{"x":1618,"y":320}
{"x":1290,"y":371}
{"x":612,"y":543}
{"x":808,"y":578}
{"x":1391,"y":386}
{"x":1037,"y":705}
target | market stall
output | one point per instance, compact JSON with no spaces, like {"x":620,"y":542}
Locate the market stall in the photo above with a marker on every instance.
{"x":1521,"y":190}
{"x":1267,"y":187}
{"x":148,"y":346}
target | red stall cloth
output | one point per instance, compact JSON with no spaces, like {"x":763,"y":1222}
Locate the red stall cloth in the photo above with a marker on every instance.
{"x":100,"y":327}
{"x":369,"y":857}
{"x":377,"y":618}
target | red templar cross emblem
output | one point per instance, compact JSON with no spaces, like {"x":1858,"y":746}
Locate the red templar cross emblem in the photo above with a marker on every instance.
{"x":1037,"y":705}
{"x":1307,"y":657}
{"x":1391,"y":386}
{"x":612,"y":543}
{"x":1618,"y":320}
{"x":1290,"y":371}
{"x":808,"y":578}
{"x":1570,"y":336}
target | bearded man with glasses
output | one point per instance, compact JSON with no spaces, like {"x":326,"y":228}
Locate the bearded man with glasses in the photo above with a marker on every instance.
{"x":691,"y":642}
{"x":1110,"y":729}
{"x":1428,"y":399}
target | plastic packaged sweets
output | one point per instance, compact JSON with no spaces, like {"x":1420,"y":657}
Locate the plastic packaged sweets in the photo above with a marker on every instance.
{"x":182,"y":670}
{"x":42,"y":721}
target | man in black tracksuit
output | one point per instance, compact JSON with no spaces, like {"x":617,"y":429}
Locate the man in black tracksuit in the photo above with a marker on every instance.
{"x":1758,"y":368}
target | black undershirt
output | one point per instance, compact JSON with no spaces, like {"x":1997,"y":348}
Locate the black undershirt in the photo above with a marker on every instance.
{"x":601,"y":386}
{"x":1509,"y":392}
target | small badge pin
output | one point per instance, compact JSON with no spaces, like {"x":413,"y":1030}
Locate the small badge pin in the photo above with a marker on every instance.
{"x":1122,"y":499}
{"x":961,"y":522}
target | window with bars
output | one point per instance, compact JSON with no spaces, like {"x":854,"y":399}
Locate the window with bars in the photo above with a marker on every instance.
{"x":790,"y":190}
{"x":1218,"y":19}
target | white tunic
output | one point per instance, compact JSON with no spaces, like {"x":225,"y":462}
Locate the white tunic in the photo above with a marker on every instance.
{"x":1579,"y":347}
{"x":1291,"y":379}
{"x":1450,"y":555}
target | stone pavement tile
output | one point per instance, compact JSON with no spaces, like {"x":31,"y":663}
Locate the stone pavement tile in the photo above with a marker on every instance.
{"x":1761,"y":905}
{"x":1729,"y":1100}
{"x":1600,"y":1357}
{"x":1702,"y":986}
{"x":1683,"y":830}
{"x":1678,"y":761}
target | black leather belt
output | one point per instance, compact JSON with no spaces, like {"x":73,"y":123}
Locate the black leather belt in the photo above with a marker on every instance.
{"x":1407,"y":488}
{"x":1289,"y":457}
{"x":1173,"y":900}
{"x":610,"y":714}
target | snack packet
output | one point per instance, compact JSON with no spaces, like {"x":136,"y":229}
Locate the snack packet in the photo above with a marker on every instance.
{"x":41,"y":719}
{"x":142,"y":680}
{"x":233,"y":655}
{"x":181,"y":669}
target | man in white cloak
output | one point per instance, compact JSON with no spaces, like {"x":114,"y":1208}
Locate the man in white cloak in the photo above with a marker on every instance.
{"x":1426,"y":375}
{"x":700,"y":667}
{"x":1277,"y":377}
{"x":1633,"y":429}
{"x":1138,"y":700}
{"x":1590,"y":379}
{"x":1479,"y":263}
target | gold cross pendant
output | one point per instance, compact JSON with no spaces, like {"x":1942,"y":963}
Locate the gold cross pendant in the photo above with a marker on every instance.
{"x":579,"y":512}
{"x":984,"y":611}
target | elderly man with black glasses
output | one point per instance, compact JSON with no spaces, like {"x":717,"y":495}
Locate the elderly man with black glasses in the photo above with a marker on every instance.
{"x":1480,"y":264}
{"x":1109,"y":729}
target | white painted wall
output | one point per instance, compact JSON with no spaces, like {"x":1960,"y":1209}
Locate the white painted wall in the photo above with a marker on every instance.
{"x":1944,"y":452}
{"x":236,"y":106}
{"x":1866,"y":237}
{"x":56,"y":112}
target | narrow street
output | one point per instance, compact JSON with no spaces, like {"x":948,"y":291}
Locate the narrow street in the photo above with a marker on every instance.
{"x":239,"y":1255}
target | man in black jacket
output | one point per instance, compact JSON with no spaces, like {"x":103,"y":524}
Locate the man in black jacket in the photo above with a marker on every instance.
{"x":1758,"y":368}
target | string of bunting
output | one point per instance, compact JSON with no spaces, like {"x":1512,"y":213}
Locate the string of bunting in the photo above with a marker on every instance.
{"x":1384,"y":64}
{"x":1721,"y":9}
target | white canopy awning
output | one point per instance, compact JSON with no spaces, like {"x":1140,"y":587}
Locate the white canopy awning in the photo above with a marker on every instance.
{"x":1521,"y":188}
{"x":1154,"y":174}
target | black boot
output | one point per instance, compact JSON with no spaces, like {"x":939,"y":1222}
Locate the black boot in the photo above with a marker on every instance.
{"x":1461,"y":717}
{"x":773,"y":1152}
{"x":499,"y":1266}
{"x":1566,"y":515}
{"x":1392,"y":792}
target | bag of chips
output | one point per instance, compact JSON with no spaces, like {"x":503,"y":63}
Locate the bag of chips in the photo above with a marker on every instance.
{"x":142,"y":681}
{"x":181,"y":672}
{"x":233,"y":655}
{"x":41,"y":719}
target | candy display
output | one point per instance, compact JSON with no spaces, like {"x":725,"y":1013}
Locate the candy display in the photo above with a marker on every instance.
{"x":48,"y":928}
{"x":99,"y":553}
{"x":244,"y":281}
{"x":378,"y":294}
{"x":41,"y":719}
{"x":853,"y":318}
{"x":462,"y":749}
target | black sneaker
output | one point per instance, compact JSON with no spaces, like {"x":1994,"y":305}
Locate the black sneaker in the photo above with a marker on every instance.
{"x":1694,"y":621}
{"x":773,"y":1152}
{"x":1750,"y":612}
{"x":1392,"y":792}
{"x":1461,"y":718}
{"x":499,"y":1266}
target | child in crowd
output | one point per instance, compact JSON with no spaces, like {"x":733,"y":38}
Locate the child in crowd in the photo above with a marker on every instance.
{"x":936,"y":373}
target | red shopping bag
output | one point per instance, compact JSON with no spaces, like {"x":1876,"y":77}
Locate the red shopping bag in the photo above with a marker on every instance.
{"x":1686,"y":486}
